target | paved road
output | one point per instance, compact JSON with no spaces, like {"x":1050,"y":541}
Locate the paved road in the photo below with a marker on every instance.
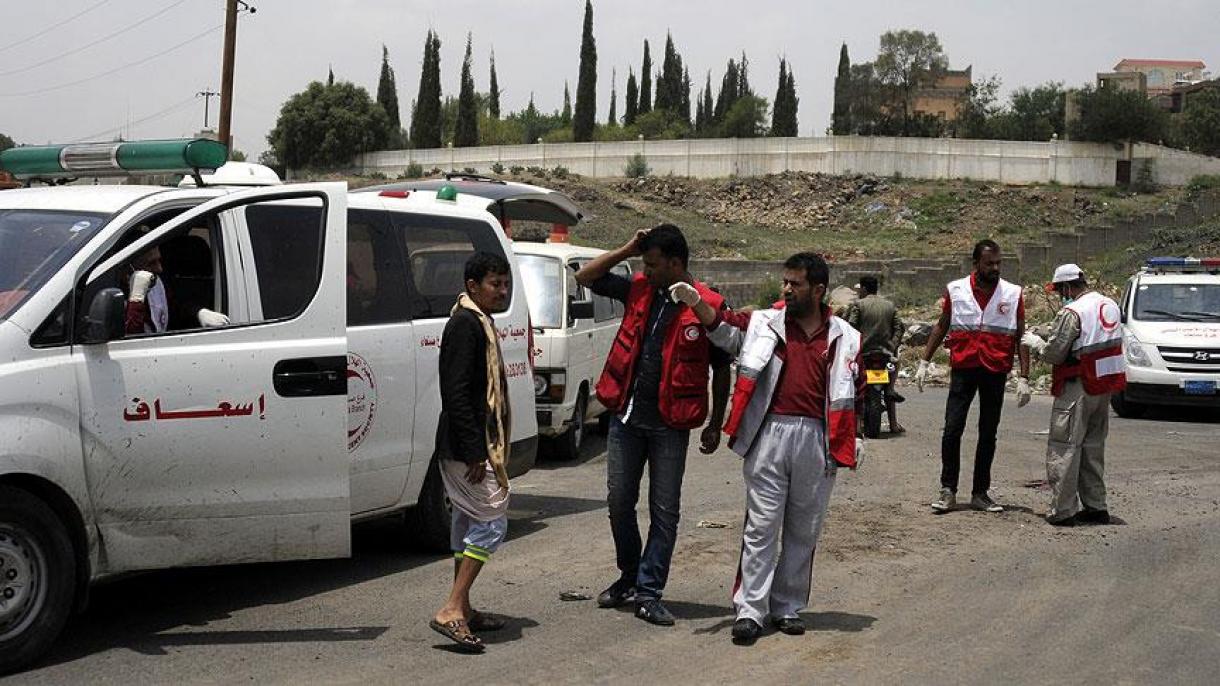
{"x":899,"y":594}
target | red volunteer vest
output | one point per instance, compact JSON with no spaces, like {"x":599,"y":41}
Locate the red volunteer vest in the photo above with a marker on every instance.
{"x":686,"y":359}
{"x":1098,"y":352}
{"x":989,"y":334}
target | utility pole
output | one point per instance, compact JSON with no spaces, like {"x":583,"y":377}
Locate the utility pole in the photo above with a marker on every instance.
{"x":207,"y":96}
{"x":226,"y":74}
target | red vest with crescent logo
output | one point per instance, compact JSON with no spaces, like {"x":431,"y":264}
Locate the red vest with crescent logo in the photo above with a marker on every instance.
{"x":1097,"y":355}
{"x":987,"y":334}
{"x":686,"y":359}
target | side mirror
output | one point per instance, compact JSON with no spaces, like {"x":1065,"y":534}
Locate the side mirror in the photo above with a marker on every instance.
{"x":580,"y":310}
{"x":107,"y":316}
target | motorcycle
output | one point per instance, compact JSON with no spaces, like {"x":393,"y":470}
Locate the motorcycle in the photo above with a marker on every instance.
{"x":879,"y":368}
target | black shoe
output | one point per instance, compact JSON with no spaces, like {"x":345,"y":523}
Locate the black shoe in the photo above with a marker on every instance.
{"x":620,"y":593}
{"x":1066,"y":521}
{"x":653,"y":612}
{"x":746,"y":631}
{"x":1093,"y":517}
{"x":793,"y":626}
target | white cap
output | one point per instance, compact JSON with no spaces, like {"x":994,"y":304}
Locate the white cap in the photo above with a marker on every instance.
{"x":1066,"y":273}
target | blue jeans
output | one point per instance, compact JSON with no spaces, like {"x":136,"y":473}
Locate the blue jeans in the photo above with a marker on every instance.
{"x":664,"y":452}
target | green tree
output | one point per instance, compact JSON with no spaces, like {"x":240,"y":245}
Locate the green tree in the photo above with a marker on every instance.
{"x":612,"y":118}
{"x":729,"y":92}
{"x":747,"y":118}
{"x":583,"y":121}
{"x":631,"y":107}
{"x":908,"y":61}
{"x":669,"y":84}
{"x":327,"y":125}
{"x":707,"y":107}
{"x":467,"y":130}
{"x":1035,"y":114}
{"x":6,"y":143}
{"x":980,"y":112}
{"x":1200,"y":121}
{"x":783,"y":115}
{"x":1109,"y":115}
{"x":387,"y":94}
{"x":840,"y":119}
{"x":565,"y":115}
{"x":684,"y":95}
{"x":493,"y":93}
{"x":645,"y":105}
{"x":426,"y":114}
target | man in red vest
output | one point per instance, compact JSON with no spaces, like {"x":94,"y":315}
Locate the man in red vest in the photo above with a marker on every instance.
{"x":655,"y":383}
{"x":984,"y":317}
{"x":1086,"y":349}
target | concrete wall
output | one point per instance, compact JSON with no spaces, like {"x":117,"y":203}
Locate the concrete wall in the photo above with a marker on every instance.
{"x":1172,"y":167}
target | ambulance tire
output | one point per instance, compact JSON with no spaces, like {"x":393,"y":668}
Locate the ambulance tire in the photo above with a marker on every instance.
{"x":37,"y":577}
{"x":429,"y":522}
{"x":1125,"y":408}
{"x":566,"y":446}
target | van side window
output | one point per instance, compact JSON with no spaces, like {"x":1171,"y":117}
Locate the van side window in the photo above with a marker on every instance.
{"x":436,"y":250}
{"x":287,"y":245}
{"x":377,"y":284}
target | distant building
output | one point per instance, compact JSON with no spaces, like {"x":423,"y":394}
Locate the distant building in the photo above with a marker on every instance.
{"x":1162,"y":75}
{"x":944,"y":99}
{"x":1124,"y":80}
{"x":1176,"y":101}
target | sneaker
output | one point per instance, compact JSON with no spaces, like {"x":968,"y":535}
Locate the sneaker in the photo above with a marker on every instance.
{"x":1066,"y":521}
{"x":653,"y":612}
{"x":620,"y":593}
{"x":746,"y":631}
{"x":1093,"y":517}
{"x":984,"y":503}
{"x":793,"y":626}
{"x":947,"y":501}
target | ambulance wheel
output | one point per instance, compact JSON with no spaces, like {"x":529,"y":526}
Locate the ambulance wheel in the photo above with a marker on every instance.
{"x":567,"y":446}
{"x":37,"y":569}
{"x":1125,"y":408}
{"x":429,"y":522}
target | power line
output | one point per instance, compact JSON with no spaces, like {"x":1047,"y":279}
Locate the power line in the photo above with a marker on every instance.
{"x":69,"y":84}
{"x":86,"y":46}
{"x":52,"y":27}
{"x":142,"y":120}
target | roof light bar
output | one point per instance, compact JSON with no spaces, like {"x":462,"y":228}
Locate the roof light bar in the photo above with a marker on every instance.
{"x":180,"y":156}
{"x":1182,"y":263}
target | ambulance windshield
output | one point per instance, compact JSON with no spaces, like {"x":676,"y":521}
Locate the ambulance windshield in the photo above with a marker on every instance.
{"x":34,"y":244}
{"x":1178,"y":302}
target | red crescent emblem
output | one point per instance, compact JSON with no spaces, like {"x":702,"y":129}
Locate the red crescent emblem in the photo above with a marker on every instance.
{"x":1101,"y":314}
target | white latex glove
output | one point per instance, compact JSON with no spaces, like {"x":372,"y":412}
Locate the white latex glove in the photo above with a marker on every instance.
{"x":209,"y":318}
{"x":921,"y":374}
{"x":1024,"y":392}
{"x":141,"y":281}
{"x":1034,"y":342}
{"x":684,"y":293}
{"x":859,"y":452}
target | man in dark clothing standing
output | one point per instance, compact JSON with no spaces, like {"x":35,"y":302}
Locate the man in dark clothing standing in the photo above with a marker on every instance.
{"x":877,"y":320}
{"x":656,"y":384}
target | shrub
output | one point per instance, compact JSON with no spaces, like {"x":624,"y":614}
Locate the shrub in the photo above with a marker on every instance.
{"x":497,"y":168}
{"x":1144,"y":182}
{"x":1201,"y":183}
{"x":436,"y":171}
{"x":637,"y":167}
{"x":516,"y":170}
{"x":560,"y":172}
{"x":413,"y":171}
{"x":536,"y":171}
{"x":470,"y":170}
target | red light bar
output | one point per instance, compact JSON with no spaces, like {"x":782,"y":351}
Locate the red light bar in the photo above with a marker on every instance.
{"x":394,"y":194}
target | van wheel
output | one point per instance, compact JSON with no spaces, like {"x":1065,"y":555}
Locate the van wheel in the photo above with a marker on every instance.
{"x":1125,"y":408}
{"x":37,"y":570}
{"x":567,"y":445}
{"x":429,"y":522}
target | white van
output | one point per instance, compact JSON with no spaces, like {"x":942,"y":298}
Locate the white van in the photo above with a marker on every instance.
{"x":254,"y":441}
{"x":573,"y":332}
{"x":1171,"y":337}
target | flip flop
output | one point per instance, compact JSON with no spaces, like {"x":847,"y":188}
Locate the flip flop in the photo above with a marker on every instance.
{"x":459,"y":632}
{"x":485,"y":621}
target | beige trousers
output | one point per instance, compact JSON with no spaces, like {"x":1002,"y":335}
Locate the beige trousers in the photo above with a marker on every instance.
{"x":1075,"y":451}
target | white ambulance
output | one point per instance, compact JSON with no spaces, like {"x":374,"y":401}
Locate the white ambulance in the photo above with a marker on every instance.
{"x":177,"y":444}
{"x":1171,"y":335}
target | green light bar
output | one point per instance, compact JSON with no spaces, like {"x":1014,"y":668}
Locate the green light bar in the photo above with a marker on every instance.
{"x":183,"y":156}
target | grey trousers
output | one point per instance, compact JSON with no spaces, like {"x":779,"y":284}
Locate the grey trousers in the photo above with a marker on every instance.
{"x":788,"y":483}
{"x":1076,"y":451}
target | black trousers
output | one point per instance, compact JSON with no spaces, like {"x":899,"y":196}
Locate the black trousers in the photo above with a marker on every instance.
{"x":963,"y":385}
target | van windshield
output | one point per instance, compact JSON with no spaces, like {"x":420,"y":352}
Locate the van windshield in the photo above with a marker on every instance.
{"x":543,"y":280}
{"x":34,"y":244}
{"x":1178,"y":302}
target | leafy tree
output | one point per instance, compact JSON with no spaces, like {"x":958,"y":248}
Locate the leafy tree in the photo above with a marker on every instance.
{"x":1035,"y":114}
{"x":980,"y":111}
{"x":6,"y":142}
{"x":586,"y":84}
{"x":631,"y":107}
{"x":908,"y":61}
{"x":566,"y":114}
{"x":1110,"y":115}
{"x":426,"y":114}
{"x":467,"y":130}
{"x":747,"y":118}
{"x":1200,"y":121}
{"x":612,"y":118}
{"x":840,"y":120}
{"x":493,"y":94}
{"x":783,"y":116}
{"x":327,"y":125}
{"x":662,"y":124}
{"x":235,"y":155}
{"x":387,"y":90}
{"x":645,"y":105}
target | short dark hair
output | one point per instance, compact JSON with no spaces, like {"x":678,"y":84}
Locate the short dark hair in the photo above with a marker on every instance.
{"x":984,"y":245}
{"x":870,"y":284}
{"x":669,"y":240}
{"x":816,"y":271}
{"x":480,"y":264}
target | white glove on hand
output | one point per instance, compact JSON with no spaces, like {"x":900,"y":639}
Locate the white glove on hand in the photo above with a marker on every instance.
{"x":1024,"y":392}
{"x":1034,"y":342}
{"x":684,"y":293}
{"x":921,"y":374}
{"x":141,"y":281}
{"x":208,"y":318}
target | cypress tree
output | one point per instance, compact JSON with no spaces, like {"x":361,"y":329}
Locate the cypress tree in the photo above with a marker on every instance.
{"x":426,"y":121}
{"x":684,"y":96}
{"x":612,"y":118}
{"x":793,"y":103}
{"x":466,"y":133}
{"x":387,"y":92}
{"x":584,"y":119}
{"x":330,"y":76}
{"x":783,"y":115}
{"x":671,"y":75}
{"x":631,"y":106}
{"x":709,"y":109}
{"x":840,"y":120}
{"x":566,"y":115}
{"x":493,"y":95}
{"x":645,"y":84}
{"x":743,"y":78}
{"x":728,"y":92}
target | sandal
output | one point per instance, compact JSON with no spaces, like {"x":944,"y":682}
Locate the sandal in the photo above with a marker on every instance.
{"x":485,"y":621}
{"x":459,"y":632}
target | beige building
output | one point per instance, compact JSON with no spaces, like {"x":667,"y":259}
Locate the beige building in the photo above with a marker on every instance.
{"x":1162,"y":75}
{"x":945,"y":98}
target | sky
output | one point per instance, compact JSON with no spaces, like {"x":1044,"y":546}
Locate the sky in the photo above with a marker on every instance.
{"x":74,"y":70}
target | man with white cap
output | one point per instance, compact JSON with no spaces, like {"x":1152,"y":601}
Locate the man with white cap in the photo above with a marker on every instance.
{"x":1086,"y":349}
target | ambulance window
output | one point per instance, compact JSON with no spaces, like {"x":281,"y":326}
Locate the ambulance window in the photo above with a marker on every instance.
{"x":376,"y":276}
{"x":436,"y":253}
{"x":287,"y":244}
